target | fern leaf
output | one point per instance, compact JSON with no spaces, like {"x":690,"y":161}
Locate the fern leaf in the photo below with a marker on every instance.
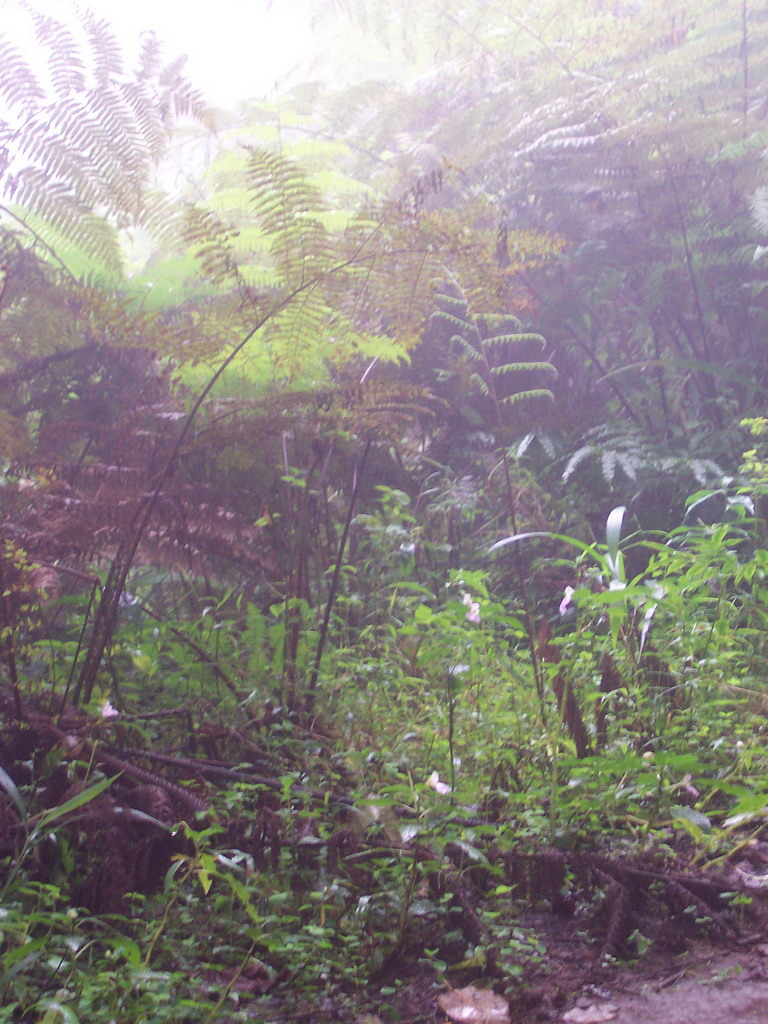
{"x":628,"y":464}
{"x":66,"y":67}
{"x":524,"y":396}
{"x":105,"y":49}
{"x":504,"y":339}
{"x":525,"y":444}
{"x":759,"y":206}
{"x":541,"y":367}
{"x":80,"y":140}
{"x":19,"y":85}
{"x":608,"y":464}
{"x":704,"y":470}
{"x":576,"y":459}
{"x":469,"y":350}
{"x":480,"y":384}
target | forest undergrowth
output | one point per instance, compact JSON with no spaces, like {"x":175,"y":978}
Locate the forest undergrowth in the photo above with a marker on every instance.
{"x":382,"y":574}
{"x":182,"y":849}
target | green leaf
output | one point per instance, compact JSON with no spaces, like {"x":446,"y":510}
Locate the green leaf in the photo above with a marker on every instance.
{"x":541,"y":533}
{"x":693,"y":817}
{"x":56,"y":1013}
{"x":471,"y":851}
{"x":243,"y":897}
{"x":10,"y":788}
{"x":522,"y":396}
{"x":85,"y":797}
{"x":613,"y":537}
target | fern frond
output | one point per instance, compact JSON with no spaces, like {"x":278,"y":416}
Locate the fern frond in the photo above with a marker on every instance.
{"x":541,"y":367}
{"x":524,"y":396}
{"x":66,"y":67}
{"x":285,"y":204}
{"x":505,"y":339}
{"x":608,"y":462}
{"x":759,"y":207}
{"x":705,"y":471}
{"x":212,"y":241}
{"x":67,"y":213}
{"x":629,"y":464}
{"x":575,"y":459}
{"x":499,"y":325}
{"x":19,"y":85}
{"x":149,"y":58}
{"x":80,"y":135}
{"x":105,"y":49}
{"x":455,"y":303}
{"x":543,"y":439}
{"x":149,"y":120}
{"x":467,"y":348}
{"x":458,"y":323}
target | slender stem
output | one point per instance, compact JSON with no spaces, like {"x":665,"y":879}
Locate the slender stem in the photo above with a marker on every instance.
{"x":512,"y":518}
{"x":40,"y":240}
{"x":591,"y":352}
{"x":78,"y":649}
{"x":357,"y":477}
{"x":6,"y":631}
{"x":745,"y":56}
{"x":451,"y":727}
{"x":660,"y":379}
{"x":689,"y":263}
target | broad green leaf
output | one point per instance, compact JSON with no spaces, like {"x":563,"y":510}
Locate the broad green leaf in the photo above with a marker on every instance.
{"x":56,"y":1013}
{"x":612,"y":539}
{"x":85,"y":797}
{"x":10,"y":788}
{"x":693,"y":817}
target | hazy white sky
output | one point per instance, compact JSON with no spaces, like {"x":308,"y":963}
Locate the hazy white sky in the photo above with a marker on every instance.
{"x":237,"y":49}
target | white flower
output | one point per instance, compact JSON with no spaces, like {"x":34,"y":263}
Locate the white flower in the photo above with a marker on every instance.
{"x":107,"y":711}
{"x":439,"y":787}
{"x":567,"y":601}
{"x":473,"y":613}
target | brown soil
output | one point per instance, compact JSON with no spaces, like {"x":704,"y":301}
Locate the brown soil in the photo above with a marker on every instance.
{"x":703,"y":986}
{"x":679,"y":980}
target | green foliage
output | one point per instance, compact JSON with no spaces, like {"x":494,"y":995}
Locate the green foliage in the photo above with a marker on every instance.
{"x":368,"y":719}
{"x":429,"y":707}
{"x":492,"y":342}
{"x":634,"y":138}
{"x":755,"y":467}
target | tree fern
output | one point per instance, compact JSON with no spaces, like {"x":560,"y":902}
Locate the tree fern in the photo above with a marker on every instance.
{"x":483,"y":341}
{"x":636,"y":134}
{"x":80,"y":134}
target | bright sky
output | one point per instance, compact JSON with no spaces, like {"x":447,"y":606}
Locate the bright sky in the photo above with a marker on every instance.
{"x":237,"y":49}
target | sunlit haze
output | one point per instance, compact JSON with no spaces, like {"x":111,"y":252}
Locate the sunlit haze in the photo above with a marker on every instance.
{"x":236,"y":49}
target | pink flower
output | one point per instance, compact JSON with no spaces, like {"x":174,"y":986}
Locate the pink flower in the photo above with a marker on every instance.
{"x":689,"y":789}
{"x":107,"y":711}
{"x":473,"y":613}
{"x":567,"y":601}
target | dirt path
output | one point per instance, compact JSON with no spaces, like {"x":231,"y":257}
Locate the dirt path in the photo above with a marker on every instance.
{"x":701,"y":987}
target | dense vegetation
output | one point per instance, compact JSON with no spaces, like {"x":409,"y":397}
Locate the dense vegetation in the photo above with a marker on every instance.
{"x":382,"y":547}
